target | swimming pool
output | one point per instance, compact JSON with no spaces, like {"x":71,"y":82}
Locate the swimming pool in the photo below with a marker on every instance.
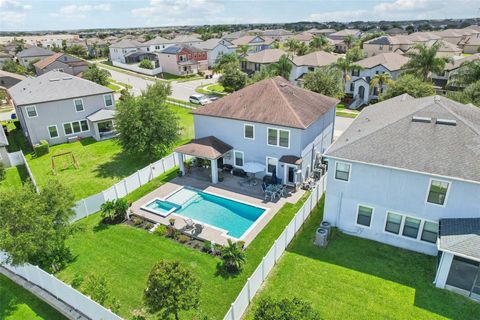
{"x":232,"y":216}
{"x":160,"y":207}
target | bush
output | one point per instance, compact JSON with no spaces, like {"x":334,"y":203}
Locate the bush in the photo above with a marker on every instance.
{"x":137,"y":221}
{"x":207,"y":246}
{"x":161,"y":230}
{"x":183,"y":238}
{"x":77,"y":280}
{"x":172,"y":232}
{"x":148,"y":225}
{"x":42,"y":148}
{"x":233,"y":257}
{"x":271,"y":309}
{"x":146,"y":64}
{"x":114,"y":211}
{"x":96,"y":288}
{"x":2,"y":171}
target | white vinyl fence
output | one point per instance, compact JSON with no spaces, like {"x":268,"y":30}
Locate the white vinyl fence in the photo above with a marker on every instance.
{"x":90,"y":205}
{"x":61,"y":291}
{"x":255,"y":281}
{"x":18,"y":158}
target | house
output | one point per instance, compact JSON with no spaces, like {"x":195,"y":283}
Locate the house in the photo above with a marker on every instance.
{"x":33,"y":54}
{"x":308,"y":63}
{"x":62,"y":62}
{"x":359,"y":83}
{"x":95,"y":46}
{"x":277,"y":34}
{"x":405,"y":173}
{"x":235,"y":35}
{"x":183,"y":59}
{"x":446,"y":49}
{"x":454,"y":36}
{"x":158,"y":44}
{"x":423,"y":37}
{"x":451,"y":67}
{"x":187,"y":40}
{"x":321,"y":32}
{"x":386,"y":44}
{"x":472,"y":44}
{"x":119,"y":51}
{"x":396,"y":32}
{"x":254,"y":43}
{"x":215,"y":48}
{"x":4,"y":158}
{"x":304,"y":37}
{"x":56,"y":107}
{"x":340,"y":35}
{"x":9,"y":79}
{"x":255,"y":61}
{"x":271,"y":122}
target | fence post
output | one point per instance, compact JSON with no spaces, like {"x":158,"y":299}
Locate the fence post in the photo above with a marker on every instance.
{"x":163,"y":165}
{"x":125,"y":184}
{"x":248,"y":290}
{"x":263,"y":269}
{"x":174,"y":159}
{"x":116,"y":191}
{"x":286,"y":237}
{"x":233,"y":310}
{"x":85,"y":206}
{"x":275,"y":252}
{"x":138,"y":176}
{"x":150,"y":176}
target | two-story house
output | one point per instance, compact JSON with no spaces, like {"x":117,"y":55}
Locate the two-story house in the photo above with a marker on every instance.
{"x":262,"y":59}
{"x":385,"y":44}
{"x":406,"y":173}
{"x":359,"y":83}
{"x":271,"y":122}
{"x":158,"y":43}
{"x":62,"y":62}
{"x":120,"y":51}
{"x":32,"y":55}
{"x":301,"y":65}
{"x":59,"y":107}
{"x":216,"y":48}
{"x":452,"y":67}
{"x":254,"y":43}
{"x":182,"y":59}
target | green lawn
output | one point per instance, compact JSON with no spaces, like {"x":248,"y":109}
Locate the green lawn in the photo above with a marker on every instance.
{"x":14,"y":178}
{"x":125,"y":256}
{"x":174,"y":77}
{"x":113,"y":87}
{"x":17,"y":303}
{"x":354,"y":278}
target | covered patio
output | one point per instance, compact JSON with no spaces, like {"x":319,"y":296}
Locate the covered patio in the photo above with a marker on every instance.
{"x":102,"y":123}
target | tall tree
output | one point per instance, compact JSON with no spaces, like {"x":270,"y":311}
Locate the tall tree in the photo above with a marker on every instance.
{"x":409,"y":83}
{"x":471,"y":94}
{"x":302,"y":49}
{"x":468,"y":73}
{"x":281,"y":68}
{"x":355,"y":54}
{"x":380,"y":80}
{"x":349,"y":40}
{"x":243,"y":49}
{"x":97,"y":75}
{"x":171,"y":288}
{"x":77,"y":50}
{"x":292,"y":45}
{"x":224,"y":60}
{"x":233,"y":78}
{"x":424,"y":61}
{"x":346,"y":66}
{"x":319,"y":43}
{"x":325,"y":80}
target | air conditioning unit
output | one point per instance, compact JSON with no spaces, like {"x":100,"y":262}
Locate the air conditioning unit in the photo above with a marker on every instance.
{"x":321,"y":237}
{"x":326,"y":225}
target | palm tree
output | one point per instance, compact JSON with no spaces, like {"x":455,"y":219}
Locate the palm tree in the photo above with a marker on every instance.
{"x":302,"y":49}
{"x":319,"y":43}
{"x":292,"y":45}
{"x":346,"y":66}
{"x":243,"y":49}
{"x":113,"y":211}
{"x":424,"y":61}
{"x":233,"y":257}
{"x":379,"y":80}
{"x":468,"y":73}
{"x":348,"y":40}
{"x":282,"y":68}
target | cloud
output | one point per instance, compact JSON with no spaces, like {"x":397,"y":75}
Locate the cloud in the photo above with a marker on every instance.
{"x":14,"y":4}
{"x":80,"y":11}
{"x":343,"y":16}
{"x":13,"y":12}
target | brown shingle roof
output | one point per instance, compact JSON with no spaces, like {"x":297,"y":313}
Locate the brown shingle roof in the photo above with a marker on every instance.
{"x":271,"y":101}
{"x":315,"y":59}
{"x":208,"y":147}
{"x":266,"y":56}
{"x":390,"y":60}
{"x":48,"y":60}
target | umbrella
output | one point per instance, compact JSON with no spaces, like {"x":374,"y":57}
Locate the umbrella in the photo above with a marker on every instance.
{"x":274,"y":176}
{"x":253,"y":167}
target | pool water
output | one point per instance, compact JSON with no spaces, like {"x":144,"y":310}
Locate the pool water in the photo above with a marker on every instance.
{"x":230,"y":215}
{"x":161,"y":207}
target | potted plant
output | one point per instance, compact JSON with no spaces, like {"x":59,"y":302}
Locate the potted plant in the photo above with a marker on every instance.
{"x":171,"y":221}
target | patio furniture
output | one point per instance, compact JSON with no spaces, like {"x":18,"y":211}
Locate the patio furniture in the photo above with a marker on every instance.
{"x":284,"y":191}
{"x":189,"y":223}
{"x":198,"y":228}
{"x":238,"y":172}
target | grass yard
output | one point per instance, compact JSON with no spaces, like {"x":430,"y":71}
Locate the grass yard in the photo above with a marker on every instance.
{"x":342,"y":111}
{"x":113,"y":87}
{"x":17,"y":303}
{"x":355,"y":278}
{"x":14,"y":178}
{"x":217,"y":87}
{"x":125,"y":256}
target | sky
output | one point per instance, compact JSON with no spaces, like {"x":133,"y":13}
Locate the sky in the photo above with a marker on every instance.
{"x":30,"y":15}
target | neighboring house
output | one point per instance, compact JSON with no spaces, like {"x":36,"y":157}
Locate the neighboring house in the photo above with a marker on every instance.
{"x":186,"y":40}
{"x":321,"y":32}
{"x":304,"y":37}
{"x":215,"y":48}
{"x":255,"y":43}
{"x":235,"y":35}
{"x":56,"y":106}
{"x":255,"y":61}
{"x":95,"y":46}
{"x":158,"y":44}
{"x":182,"y":59}
{"x":277,"y":34}
{"x":9,"y":79}
{"x":340,"y":35}
{"x":4,"y":57}
{"x":120,"y":51}
{"x":386,"y":44}
{"x":472,"y":44}
{"x":423,"y":37}
{"x":453,"y":36}
{"x":33,"y":54}
{"x":4,"y":158}
{"x":396,"y":32}
{"x":451,"y":67}
{"x":271,"y":122}
{"x":359,"y":83}
{"x":308,"y":63}
{"x":62,"y":62}
{"x":405,"y":173}
{"x":446,"y":49}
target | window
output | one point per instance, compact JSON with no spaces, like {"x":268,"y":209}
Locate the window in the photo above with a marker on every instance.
{"x":271,"y":165}
{"x":352,"y":87}
{"x":364,"y":215}
{"x":75,"y":127}
{"x":438,"y":192}
{"x":411,"y":226}
{"x":355,"y":72}
{"x":278,"y":137}
{"x":430,"y":232}
{"x":108,"y":100}
{"x":249,"y":131}
{"x":238,"y":156}
{"x":78,"y":105}
{"x":52,"y":131}
{"x":272,"y":137}
{"x":342,"y":171}
{"x":67,"y":127}
{"x":84,"y":125}
{"x":31,"y":111}
{"x":393,"y":223}
{"x":284,"y":138}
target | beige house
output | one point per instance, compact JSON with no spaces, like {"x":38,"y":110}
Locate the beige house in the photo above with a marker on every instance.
{"x":386,"y":44}
{"x":472,"y":44}
{"x":446,"y":49}
{"x":254,"y":62}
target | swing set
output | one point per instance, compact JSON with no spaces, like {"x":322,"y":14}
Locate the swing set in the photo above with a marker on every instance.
{"x":67,"y":158}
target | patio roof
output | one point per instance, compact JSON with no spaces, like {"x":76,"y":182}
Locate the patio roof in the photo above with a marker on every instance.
{"x":460,"y":236}
{"x":208,"y":148}
{"x":291,"y":160}
{"x":102,"y":114}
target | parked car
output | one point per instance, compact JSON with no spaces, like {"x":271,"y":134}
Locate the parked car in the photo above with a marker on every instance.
{"x":199,"y":99}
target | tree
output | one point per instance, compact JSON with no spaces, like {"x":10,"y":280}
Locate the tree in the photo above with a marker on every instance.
{"x":233,"y":257}
{"x":325,"y":80}
{"x":302,"y":49}
{"x":35,"y":225}
{"x":409,"y":83}
{"x":77,"y":50}
{"x":346,"y":66}
{"x":243,"y":49}
{"x":349,"y":40}
{"x":284,"y":309}
{"x":96,"y":287}
{"x":262,"y":74}
{"x":19,"y":45}
{"x":171,"y":288}
{"x":12,"y":66}
{"x":424,"y":61}
{"x":281,"y":68}
{"x":114,"y":210}
{"x":225,"y":59}
{"x":146,"y":64}
{"x":233,"y":78}
{"x":146,"y":124}
{"x":292,"y":45}
{"x":468,"y":73}
{"x":355,"y":54}
{"x":471,"y":94}
{"x":380,"y":80}
{"x":319,"y":43}
{"x":97,"y":75}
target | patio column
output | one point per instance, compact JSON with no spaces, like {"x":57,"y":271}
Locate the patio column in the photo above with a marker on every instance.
{"x":180,"y":162}
{"x":443,"y":269}
{"x":214,"y":171}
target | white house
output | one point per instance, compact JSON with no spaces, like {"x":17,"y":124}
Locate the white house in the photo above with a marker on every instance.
{"x":402,"y":171}
{"x":308,"y":63}
{"x":158,"y":44}
{"x":119,"y":51}
{"x":215,"y":48}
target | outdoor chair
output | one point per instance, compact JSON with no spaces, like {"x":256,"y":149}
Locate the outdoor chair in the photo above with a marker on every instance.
{"x":189,"y":223}
{"x":284,"y":191}
{"x":198,"y":228}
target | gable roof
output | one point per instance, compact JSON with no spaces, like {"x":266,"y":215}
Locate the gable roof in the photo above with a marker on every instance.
{"x":391,"y":60}
{"x":158,"y":40}
{"x":177,"y":48}
{"x":304,"y":36}
{"x":315,"y":59}
{"x":345,"y":32}
{"x":56,"y":57}
{"x":34,"y":52}
{"x":235,"y":35}
{"x":211,"y":44}
{"x":128,"y":43}
{"x":247,"y":40}
{"x":266,"y":56}
{"x":474,"y":40}
{"x":385,"y":134}
{"x":272,"y":101}
{"x":460,"y":236}
{"x":390,"y":40}
{"x":53,"y":85}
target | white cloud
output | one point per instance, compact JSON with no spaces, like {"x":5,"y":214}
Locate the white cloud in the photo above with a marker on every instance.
{"x":13,"y":12}
{"x":80,"y":11}
{"x":343,"y":16}
{"x":14,"y":4}
{"x":13,"y":18}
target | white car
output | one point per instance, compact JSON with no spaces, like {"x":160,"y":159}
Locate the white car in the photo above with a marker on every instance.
{"x":199,"y":99}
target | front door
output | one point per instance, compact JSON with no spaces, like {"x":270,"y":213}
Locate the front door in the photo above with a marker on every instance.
{"x":361,"y":92}
{"x":290,"y":172}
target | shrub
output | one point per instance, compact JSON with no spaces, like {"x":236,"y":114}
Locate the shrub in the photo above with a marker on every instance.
{"x":148,"y":225}
{"x":172,"y":232}
{"x":96,"y":288}
{"x":41,"y":148}
{"x":183,"y":238}
{"x":271,"y":309}
{"x":114,"y":211}
{"x":137,"y":221}
{"x":233,"y":257}
{"x":171,"y":221}
{"x":146,"y":64}
{"x":207,"y":246}
{"x":77,"y":280}
{"x":241,"y":244}
{"x":161,"y":230}
{"x":2,"y":171}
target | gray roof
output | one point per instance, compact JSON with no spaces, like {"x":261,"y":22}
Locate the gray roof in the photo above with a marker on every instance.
{"x":211,"y":44}
{"x":128,"y":43}
{"x":385,"y":134}
{"x":3,"y":138}
{"x":158,"y":40}
{"x":52,"y":86}
{"x":460,"y":236}
{"x":102,"y":114}
{"x":34,"y":52}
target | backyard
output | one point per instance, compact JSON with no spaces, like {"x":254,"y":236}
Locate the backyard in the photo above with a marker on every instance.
{"x":124,"y":255}
{"x":355,"y":278}
{"x":14,"y":178}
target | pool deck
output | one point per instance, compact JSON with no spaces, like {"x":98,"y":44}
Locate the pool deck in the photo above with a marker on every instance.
{"x":229,"y":188}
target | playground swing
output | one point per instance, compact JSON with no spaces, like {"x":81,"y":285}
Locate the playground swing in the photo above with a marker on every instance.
{"x":66,"y":160}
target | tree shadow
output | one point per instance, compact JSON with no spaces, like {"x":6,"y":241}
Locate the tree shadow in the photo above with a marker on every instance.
{"x":122,"y":165}
{"x":87,"y":141}
{"x":220,"y":271}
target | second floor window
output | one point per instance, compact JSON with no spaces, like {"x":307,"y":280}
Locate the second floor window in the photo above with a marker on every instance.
{"x":78,"y":105}
{"x":437,"y":193}
{"x":342,"y":171}
{"x":278,"y":137}
{"x":31,"y":111}
{"x":108,"y":100}
{"x":249,"y":131}
{"x":355,"y":72}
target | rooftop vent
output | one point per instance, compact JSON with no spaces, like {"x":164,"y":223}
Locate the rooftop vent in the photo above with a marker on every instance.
{"x":283,"y":84}
{"x":422,"y":119}
{"x":54,"y":79}
{"x":67,"y":78}
{"x":447,"y":122}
